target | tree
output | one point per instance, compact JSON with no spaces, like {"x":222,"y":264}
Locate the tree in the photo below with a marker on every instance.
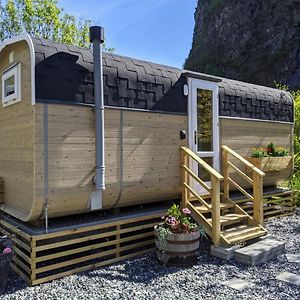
{"x":42,"y":18}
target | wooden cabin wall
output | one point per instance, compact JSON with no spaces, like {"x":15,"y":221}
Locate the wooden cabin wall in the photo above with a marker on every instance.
{"x":17,"y":138}
{"x":142,"y":157}
{"x":244,"y":135}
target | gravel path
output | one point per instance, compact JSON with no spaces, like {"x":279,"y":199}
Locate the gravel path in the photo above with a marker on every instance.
{"x":144,"y":278}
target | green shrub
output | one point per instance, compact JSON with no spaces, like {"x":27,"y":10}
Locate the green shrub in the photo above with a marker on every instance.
{"x":294,"y":181}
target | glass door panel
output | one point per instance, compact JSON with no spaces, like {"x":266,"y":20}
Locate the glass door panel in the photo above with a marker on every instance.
{"x":204,"y":120}
{"x":203,"y":127}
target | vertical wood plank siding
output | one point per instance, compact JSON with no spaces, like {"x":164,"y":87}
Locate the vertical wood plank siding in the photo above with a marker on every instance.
{"x":244,"y":135}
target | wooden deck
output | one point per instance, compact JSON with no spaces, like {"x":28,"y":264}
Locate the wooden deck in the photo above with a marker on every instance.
{"x":44,"y":257}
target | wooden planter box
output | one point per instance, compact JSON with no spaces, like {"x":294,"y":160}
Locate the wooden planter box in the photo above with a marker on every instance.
{"x":271,"y":164}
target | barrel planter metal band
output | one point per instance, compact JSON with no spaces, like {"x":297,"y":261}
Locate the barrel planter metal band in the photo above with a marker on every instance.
{"x":180,"y":249}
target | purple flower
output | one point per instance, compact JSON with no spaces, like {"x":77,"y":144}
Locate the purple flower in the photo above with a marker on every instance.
{"x":6,"y":250}
{"x":186,"y":211}
{"x":171,"y":220}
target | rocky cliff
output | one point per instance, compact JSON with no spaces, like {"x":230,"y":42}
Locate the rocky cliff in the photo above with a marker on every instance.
{"x":256,"y":41}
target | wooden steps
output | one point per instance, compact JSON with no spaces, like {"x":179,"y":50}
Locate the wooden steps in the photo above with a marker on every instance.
{"x":214,"y":210}
{"x":231,"y":215}
{"x":242,"y":233}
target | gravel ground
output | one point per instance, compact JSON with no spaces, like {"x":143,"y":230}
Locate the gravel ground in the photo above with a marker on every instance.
{"x":144,"y":278}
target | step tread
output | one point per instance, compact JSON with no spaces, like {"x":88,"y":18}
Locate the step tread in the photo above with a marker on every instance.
{"x":247,"y":237}
{"x":201,"y":208}
{"x":238,"y":230}
{"x":230,"y":218}
{"x":242,"y":233}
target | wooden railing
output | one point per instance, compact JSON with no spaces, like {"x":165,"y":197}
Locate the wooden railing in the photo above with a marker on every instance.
{"x":256,"y":181}
{"x":187,"y":156}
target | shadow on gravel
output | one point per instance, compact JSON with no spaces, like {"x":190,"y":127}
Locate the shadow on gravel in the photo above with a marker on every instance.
{"x":146,"y":269}
{"x":140,"y":270}
{"x":14,"y":284}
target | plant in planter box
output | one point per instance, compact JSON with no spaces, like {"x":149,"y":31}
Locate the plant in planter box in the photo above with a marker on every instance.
{"x":270,"y":158}
{"x":6,"y":255}
{"x":177,"y":238}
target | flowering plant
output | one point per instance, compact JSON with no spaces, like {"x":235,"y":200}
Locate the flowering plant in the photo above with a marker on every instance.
{"x":179,"y":220}
{"x":6,"y":250}
{"x":270,"y":150}
{"x":5,"y":246}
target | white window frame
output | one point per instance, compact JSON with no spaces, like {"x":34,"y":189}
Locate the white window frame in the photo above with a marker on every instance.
{"x":16,"y":96}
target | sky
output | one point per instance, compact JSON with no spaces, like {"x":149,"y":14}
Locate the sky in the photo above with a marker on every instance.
{"x":160,"y":31}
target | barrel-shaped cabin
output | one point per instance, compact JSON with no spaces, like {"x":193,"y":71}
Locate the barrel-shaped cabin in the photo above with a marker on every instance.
{"x":47,"y":127}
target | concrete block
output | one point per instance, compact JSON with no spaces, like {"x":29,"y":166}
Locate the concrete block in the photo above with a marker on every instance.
{"x":223,"y":252}
{"x":293,"y":258}
{"x":238,"y":284}
{"x":289,"y":278}
{"x":260,"y":252}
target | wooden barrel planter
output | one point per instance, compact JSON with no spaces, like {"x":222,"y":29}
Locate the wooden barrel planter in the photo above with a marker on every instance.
{"x":179,"y":249}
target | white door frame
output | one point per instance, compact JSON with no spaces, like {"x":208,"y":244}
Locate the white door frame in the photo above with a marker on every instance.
{"x":193,"y":85}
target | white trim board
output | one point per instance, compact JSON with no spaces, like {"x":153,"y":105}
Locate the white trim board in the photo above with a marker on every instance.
{"x":24,"y":37}
{"x":256,"y":120}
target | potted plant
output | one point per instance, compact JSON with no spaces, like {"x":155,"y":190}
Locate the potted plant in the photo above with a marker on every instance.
{"x":6,"y":255}
{"x":177,"y":238}
{"x":271,"y":158}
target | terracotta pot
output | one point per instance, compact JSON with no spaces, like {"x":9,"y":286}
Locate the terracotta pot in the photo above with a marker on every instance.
{"x":180,"y":249}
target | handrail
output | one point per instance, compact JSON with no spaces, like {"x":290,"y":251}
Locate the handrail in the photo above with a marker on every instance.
{"x":200,"y":161}
{"x":256,"y":181}
{"x":244,"y":161}
{"x":200,"y":181}
{"x":214,"y":191}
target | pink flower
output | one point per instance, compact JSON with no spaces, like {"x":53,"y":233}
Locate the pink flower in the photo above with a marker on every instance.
{"x":186,"y":211}
{"x":6,"y":250}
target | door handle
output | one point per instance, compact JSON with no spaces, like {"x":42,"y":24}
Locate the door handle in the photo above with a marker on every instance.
{"x":195,"y":137}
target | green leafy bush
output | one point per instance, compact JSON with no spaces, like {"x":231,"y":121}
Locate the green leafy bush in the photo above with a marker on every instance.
{"x":294,"y":181}
{"x":271,"y":150}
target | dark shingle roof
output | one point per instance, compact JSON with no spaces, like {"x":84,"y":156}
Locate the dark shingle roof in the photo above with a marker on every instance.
{"x":239,"y":99}
{"x":64,"y":73}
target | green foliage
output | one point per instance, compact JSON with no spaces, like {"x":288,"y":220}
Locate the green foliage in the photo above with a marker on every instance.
{"x":258,"y":152}
{"x":271,"y":150}
{"x":294,"y":181}
{"x":280,"y":151}
{"x":163,"y":234}
{"x":43,"y":18}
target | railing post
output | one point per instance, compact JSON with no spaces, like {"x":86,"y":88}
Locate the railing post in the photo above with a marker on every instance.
{"x":225,"y":173}
{"x":184,"y":178}
{"x":215,"y":201}
{"x":258,"y":203}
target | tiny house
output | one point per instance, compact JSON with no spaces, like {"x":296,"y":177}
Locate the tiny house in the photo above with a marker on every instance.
{"x":47,"y":127}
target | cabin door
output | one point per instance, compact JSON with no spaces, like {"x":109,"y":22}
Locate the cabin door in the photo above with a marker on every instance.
{"x":203,"y":127}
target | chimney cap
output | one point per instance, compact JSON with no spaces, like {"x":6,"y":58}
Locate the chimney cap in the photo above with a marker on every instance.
{"x":97,"y":33}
